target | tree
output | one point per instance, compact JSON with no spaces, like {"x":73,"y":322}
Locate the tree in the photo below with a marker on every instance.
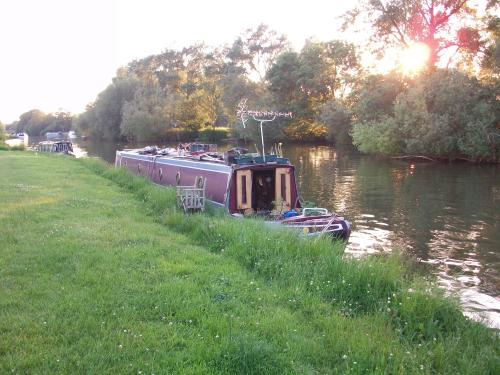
{"x":256,"y":50}
{"x":440,"y":24}
{"x":338,"y":120}
{"x":445,"y":114}
{"x":303,"y":83}
{"x":328,"y":69}
{"x":490,"y":64}
{"x":375,"y":96}
{"x":2,"y":132}
{"x":109,"y":106}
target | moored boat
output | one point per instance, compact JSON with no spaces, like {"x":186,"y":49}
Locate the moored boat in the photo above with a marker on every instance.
{"x":18,"y":140}
{"x":64,"y":147}
{"x":243,"y":184}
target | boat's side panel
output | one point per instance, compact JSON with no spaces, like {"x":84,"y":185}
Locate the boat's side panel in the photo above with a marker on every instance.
{"x":139,"y":165}
{"x":165,"y":171}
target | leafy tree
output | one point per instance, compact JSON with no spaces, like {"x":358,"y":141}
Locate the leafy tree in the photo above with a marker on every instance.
{"x":376,"y":95}
{"x":490,"y":64}
{"x":338,"y":120}
{"x":256,"y":50}
{"x":109,"y":105}
{"x":304,"y":82}
{"x":440,"y":24}
{"x":85,"y":123}
{"x":32,"y":122}
{"x":445,"y":114}
{"x":328,"y":69}
{"x":2,"y":132}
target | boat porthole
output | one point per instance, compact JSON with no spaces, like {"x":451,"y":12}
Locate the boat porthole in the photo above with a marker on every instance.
{"x":160,"y":173}
{"x":178,"y":178}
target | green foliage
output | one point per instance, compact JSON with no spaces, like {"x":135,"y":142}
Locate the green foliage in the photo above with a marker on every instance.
{"x":338,"y":120}
{"x":256,"y":50}
{"x":490,"y":64}
{"x":322,"y":72}
{"x":181,"y":92}
{"x":440,"y":24}
{"x":213,"y":134}
{"x":103,"y":118}
{"x":444,"y":115}
{"x":303,"y":130}
{"x":375,"y":96}
{"x":36,"y":123}
{"x":377,"y":137}
{"x":3,"y":134}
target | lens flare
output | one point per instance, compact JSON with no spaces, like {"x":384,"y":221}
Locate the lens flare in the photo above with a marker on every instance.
{"x":414,"y":58}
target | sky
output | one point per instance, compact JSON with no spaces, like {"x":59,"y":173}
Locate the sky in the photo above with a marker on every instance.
{"x":58,"y":54}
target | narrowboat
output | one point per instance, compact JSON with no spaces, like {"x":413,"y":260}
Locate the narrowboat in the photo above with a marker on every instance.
{"x":18,"y":139}
{"x":243,"y":184}
{"x":64,"y":147}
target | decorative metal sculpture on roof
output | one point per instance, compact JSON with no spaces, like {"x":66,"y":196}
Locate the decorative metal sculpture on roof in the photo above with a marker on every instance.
{"x":243,"y":112}
{"x":260,"y":116}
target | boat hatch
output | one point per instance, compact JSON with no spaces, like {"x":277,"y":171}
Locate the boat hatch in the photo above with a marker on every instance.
{"x":263,"y":190}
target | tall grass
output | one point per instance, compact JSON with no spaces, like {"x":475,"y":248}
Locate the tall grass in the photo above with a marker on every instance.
{"x":102,"y":274}
{"x":383,"y":286}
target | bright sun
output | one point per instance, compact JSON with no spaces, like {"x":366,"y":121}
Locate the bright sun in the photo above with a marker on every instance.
{"x":414,"y":58}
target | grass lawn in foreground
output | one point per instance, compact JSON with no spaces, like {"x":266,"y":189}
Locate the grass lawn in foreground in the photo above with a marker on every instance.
{"x":100,"y":274}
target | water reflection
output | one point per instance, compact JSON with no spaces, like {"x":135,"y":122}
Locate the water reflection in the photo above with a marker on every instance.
{"x":446,"y":215}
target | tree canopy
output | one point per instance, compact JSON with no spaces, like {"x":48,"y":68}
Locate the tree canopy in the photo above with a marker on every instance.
{"x":446,"y":111}
{"x":439,"y":24}
{"x":37,"y":123}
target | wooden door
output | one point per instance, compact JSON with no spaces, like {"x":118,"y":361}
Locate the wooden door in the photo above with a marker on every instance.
{"x":243,"y":189}
{"x":283,"y":188}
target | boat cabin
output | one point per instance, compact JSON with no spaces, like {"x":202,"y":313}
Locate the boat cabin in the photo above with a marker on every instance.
{"x":64,"y":147}
{"x":262,"y":188}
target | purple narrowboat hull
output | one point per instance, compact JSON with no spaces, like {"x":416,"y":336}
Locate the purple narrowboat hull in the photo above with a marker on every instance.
{"x":221,"y":179}
{"x":243,"y":188}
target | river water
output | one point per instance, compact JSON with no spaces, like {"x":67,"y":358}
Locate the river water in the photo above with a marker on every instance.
{"x":445,"y":215}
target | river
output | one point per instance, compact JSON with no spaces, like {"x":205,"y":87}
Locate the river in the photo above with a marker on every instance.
{"x":445,"y":215}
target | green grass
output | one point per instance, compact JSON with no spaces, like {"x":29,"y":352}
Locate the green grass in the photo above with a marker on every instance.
{"x":99,"y":273}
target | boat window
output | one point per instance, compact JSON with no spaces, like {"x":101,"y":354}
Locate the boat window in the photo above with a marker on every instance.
{"x":283,"y":186}
{"x":244,"y":189}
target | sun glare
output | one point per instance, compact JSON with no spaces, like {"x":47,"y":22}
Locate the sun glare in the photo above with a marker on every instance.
{"x":414,"y":58}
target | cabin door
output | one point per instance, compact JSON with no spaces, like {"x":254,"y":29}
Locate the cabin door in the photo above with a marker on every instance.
{"x":243,"y":189}
{"x":283,"y":188}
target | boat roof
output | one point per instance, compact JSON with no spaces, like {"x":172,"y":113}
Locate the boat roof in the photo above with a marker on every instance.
{"x":213,"y":158}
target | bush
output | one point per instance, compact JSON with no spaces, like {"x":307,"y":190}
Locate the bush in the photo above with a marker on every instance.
{"x":444,"y":115}
{"x":213,"y":134}
{"x":181,"y":134}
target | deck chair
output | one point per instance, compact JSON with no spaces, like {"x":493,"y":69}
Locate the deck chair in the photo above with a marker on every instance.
{"x":192,"y":198}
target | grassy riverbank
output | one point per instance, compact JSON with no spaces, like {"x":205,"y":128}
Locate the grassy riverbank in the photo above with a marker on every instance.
{"x":100,"y":274}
